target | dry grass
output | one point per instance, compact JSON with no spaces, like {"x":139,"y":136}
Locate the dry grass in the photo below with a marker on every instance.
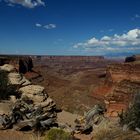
{"x":14,"y":135}
{"x":109,"y":131}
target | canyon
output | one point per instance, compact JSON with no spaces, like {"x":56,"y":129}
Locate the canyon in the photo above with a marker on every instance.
{"x":77,"y":83}
{"x":123,"y":81}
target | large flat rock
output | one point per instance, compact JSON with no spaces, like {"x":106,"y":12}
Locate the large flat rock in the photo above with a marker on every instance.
{"x":8,"y":68}
{"x":32,"y":89}
{"x":18,"y":79}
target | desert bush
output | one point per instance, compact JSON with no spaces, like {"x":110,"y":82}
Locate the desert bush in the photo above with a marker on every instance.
{"x":105,"y":131}
{"x":58,"y":134}
{"x":114,"y":133}
{"x":131,"y":117}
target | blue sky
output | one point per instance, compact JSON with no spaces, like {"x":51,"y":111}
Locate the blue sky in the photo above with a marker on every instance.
{"x":70,"y":27}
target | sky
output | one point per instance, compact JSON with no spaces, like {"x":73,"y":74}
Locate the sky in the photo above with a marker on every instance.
{"x":70,"y":27}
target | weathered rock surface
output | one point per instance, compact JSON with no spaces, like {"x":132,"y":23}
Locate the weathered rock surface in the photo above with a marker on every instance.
{"x":91,"y":120}
{"x":32,"y":89}
{"x":4,"y":60}
{"x":25,"y":64}
{"x":123,"y":71}
{"x":34,"y":109}
{"x":18,"y":79}
{"x":132,"y":58}
{"x":124,"y":81}
{"x":8,"y":68}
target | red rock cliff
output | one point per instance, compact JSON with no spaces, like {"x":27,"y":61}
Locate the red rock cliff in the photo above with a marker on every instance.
{"x":124,"y":82}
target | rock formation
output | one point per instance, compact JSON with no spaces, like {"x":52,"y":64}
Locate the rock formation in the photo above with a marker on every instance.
{"x":25,"y":64}
{"x":4,"y":60}
{"x":71,"y":58}
{"x":132,"y":58}
{"x":34,"y":108}
{"x":124,"y":82}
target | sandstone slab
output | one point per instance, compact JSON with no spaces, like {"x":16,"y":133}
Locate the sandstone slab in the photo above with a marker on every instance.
{"x":8,"y":68}
{"x":18,"y":79}
{"x":32,"y":89}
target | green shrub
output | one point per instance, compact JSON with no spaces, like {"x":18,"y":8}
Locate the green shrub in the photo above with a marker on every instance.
{"x":57,"y":134}
{"x":131,"y":117}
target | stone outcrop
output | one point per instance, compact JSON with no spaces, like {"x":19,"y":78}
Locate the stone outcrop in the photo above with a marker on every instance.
{"x":8,"y":68}
{"x":18,"y":79}
{"x":124,"y":81}
{"x":123,"y":71}
{"x":14,"y":78}
{"x":32,"y":89}
{"x":25,"y":64}
{"x":4,"y":60}
{"x":132,"y":58}
{"x":34,"y":108}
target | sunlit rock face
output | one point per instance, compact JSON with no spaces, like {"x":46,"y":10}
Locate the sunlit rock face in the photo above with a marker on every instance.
{"x":8,"y":68}
{"x":124,"y":82}
{"x":124,"y":71}
{"x":28,"y":97}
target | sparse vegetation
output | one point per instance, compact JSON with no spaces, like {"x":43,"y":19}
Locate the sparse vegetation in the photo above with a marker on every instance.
{"x":14,"y":135}
{"x":58,"y":134}
{"x":131,"y":117}
{"x":111,"y":132}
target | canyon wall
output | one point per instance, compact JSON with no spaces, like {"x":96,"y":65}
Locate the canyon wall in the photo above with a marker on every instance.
{"x":123,"y":71}
{"x":123,"y":79}
{"x":70,"y":58}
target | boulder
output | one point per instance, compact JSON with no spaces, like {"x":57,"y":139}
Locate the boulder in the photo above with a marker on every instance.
{"x":18,"y":79}
{"x":32,"y":110}
{"x":130,"y":59}
{"x":25,"y":64}
{"x":8,"y":68}
{"x":32,"y":89}
{"x":46,"y":103}
{"x":12,"y":99}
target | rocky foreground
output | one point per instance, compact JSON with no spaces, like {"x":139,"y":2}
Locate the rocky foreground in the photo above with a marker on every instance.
{"x":31,"y":107}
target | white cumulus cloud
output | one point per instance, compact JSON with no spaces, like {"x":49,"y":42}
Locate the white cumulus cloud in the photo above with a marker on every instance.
{"x":131,"y":38}
{"x":38,"y":25}
{"x":27,"y":3}
{"x":48,"y":26}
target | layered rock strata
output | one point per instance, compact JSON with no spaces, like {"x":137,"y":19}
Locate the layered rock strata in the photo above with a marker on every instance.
{"x":33,"y":108}
{"x":124,"y":81}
